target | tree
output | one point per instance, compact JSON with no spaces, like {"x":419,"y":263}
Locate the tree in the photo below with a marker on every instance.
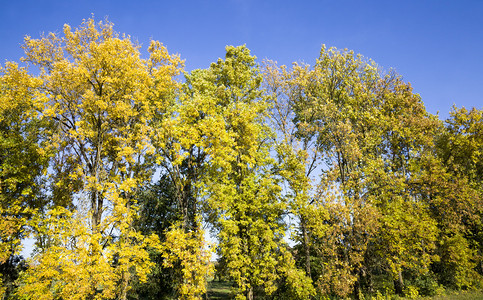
{"x":365,"y":129}
{"x":105,"y":103}
{"x":324,"y":101}
{"x":189,"y":251}
{"x":182,"y":263}
{"x":186,"y":143}
{"x":158,"y":211}
{"x":242,"y":189}
{"x":298,"y":154}
{"x":453,"y":181}
{"x":22,"y":161}
{"x":408,"y":233}
{"x":114,"y":168}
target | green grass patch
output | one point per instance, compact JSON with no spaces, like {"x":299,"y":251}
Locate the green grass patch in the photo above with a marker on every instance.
{"x":219,"y":290}
{"x":447,"y":295}
{"x":461,"y":295}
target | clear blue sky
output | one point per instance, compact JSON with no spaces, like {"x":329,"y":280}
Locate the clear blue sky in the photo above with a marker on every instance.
{"x":435,"y":45}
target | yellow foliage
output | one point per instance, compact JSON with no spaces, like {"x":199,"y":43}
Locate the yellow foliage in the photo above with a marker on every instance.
{"x":77,"y":263}
{"x":105,"y":104}
{"x":193,"y":254}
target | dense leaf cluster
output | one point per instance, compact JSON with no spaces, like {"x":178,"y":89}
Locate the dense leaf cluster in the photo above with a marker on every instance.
{"x":329,"y":180}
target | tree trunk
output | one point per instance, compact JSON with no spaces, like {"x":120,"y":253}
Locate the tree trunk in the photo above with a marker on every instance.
{"x":358,"y":284}
{"x":124,"y":287}
{"x":357,"y":288}
{"x":306,"y":247}
{"x":399,"y":284}
{"x":94,"y":208}
{"x":250,"y":293}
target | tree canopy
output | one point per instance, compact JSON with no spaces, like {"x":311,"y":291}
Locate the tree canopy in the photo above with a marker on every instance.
{"x":329,"y":180}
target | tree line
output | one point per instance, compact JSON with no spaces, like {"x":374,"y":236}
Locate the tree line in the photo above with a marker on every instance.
{"x":329,"y":180}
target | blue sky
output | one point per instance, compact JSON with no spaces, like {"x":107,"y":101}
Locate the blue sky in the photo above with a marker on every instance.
{"x":435,"y":45}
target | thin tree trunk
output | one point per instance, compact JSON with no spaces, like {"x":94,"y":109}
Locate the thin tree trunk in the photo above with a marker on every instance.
{"x":250,"y":293}
{"x":399,"y":284}
{"x":306,"y":247}
{"x":94,"y":208}
{"x":357,"y":287}
{"x":125,"y":284}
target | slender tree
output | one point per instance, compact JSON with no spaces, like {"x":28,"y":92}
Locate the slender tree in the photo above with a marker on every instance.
{"x":242,"y":191}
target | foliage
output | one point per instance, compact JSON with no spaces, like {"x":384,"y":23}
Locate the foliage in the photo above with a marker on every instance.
{"x":193,"y":255}
{"x":22,"y":161}
{"x":76,"y":263}
{"x":102,"y":100}
{"x":366,"y":130}
{"x":114,"y":167}
{"x":157,"y":213}
{"x":244,"y":197}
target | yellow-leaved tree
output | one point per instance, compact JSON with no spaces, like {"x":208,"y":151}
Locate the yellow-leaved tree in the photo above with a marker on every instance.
{"x":22,"y":162}
{"x":363,"y":131}
{"x":105,"y":103}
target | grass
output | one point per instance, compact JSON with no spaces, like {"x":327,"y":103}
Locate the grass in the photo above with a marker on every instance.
{"x":448,"y":295}
{"x":461,"y":295}
{"x":219,"y":290}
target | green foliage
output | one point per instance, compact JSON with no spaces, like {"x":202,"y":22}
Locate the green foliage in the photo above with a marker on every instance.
{"x":368,"y":131}
{"x":456,"y":199}
{"x":157,"y":213}
{"x":243,"y":193}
